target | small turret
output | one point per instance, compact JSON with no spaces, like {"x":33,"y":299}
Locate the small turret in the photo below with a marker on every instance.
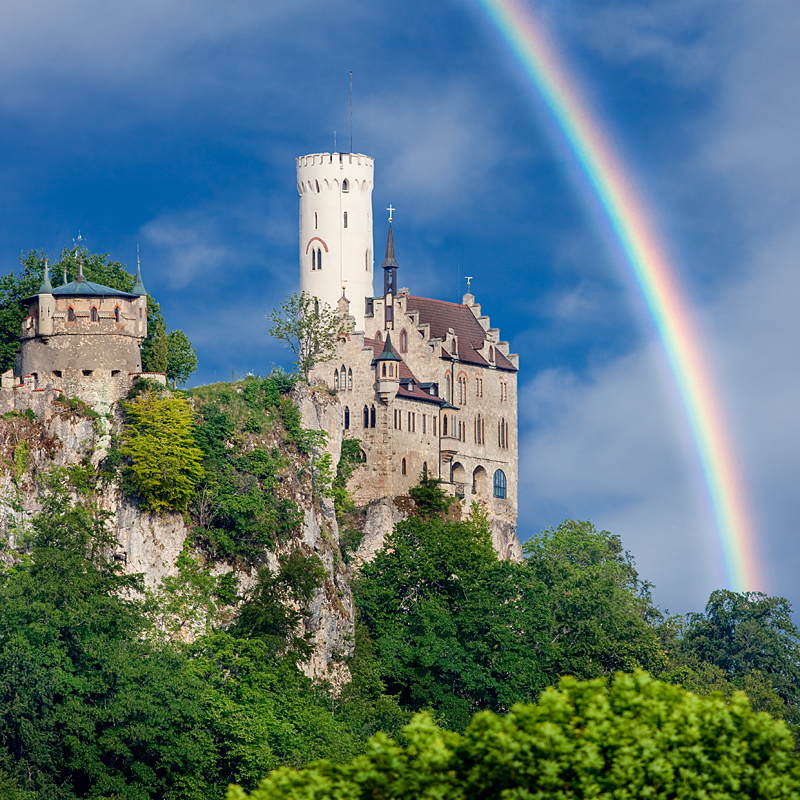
{"x":387,"y":369}
{"x":47,"y":303}
{"x":138,"y":287}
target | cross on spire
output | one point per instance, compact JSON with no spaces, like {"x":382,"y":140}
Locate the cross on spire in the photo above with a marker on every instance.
{"x":469,"y":279}
{"x":390,"y":210}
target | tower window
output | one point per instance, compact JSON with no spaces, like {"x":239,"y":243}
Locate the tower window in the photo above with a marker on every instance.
{"x":403,"y":469}
{"x":93,"y":315}
{"x":372,"y":417}
{"x":336,"y":379}
{"x":345,"y":219}
{"x":116,"y":313}
{"x":444,"y":425}
{"x":317,"y":185}
{"x":319,"y":258}
{"x":346,"y":418}
{"x":500,"y":484}
{"x":349,"y":379}
{"x":383,"y":370}
{"x":379,"y":336}
{"x":313,"y":258}
{"x":315,"y":214}
{"x":425,"y":470}
{"x":70,"y":314}
{"x":366,"y":417}
{"x":345,"y":187}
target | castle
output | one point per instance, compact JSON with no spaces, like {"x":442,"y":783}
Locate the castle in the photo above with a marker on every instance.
{"x":81,"y":339}
{"x":426,"y":385}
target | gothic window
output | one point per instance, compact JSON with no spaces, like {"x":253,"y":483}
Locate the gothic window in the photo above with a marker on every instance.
{"x":319,"y":259}
{"x":500,"y":484}
{"x":116,"y":314}
{"x":391,"y":370}
{"x":93,"y":315}
{"x":345,"y":219}
{"x":379,"y":336}
{"x":366,"y":417}
{"x":70,"y":314}
{"x":447,"y":388}
{"x":403,"y":469}
{"x":349,"y":379}
{"x":336,"y":379}
{"x":345,"y":188}
{"x":403,"y":342}
{"x":362,"y":456}
{"x":444,"y":425}
{"x":383,"y":370}
{"x":347,"y":418}
{"x":313,"y":258}
{"x":372,"y":417}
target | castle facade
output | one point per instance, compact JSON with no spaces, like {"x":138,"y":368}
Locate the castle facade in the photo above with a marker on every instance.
{"x":428,"y":386}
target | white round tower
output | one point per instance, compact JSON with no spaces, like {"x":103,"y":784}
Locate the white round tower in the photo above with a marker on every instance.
{"x":336,"y":228}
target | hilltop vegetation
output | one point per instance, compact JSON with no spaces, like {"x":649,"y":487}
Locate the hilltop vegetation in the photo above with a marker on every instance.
{"x":111,"y":690}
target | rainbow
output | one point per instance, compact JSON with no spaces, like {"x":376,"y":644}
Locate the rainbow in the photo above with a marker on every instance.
{"x":654,"y":276}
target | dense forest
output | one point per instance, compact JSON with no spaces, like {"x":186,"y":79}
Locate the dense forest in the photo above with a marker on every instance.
{"x":104,"y":695}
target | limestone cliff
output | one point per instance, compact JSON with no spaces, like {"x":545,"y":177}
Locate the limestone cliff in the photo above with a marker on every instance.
{"x":41,"y":430}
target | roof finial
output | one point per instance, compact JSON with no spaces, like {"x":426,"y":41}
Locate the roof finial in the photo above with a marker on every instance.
{"x":469,"y":280}
{"x":46,"y":287}
{"x":80,"y":278}
{"x":138,"y":288}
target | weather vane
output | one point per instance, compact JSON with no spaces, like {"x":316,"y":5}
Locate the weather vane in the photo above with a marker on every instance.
{"x":77,"y":242}
{"x":390,"y":210}
{"x":469,"y":278}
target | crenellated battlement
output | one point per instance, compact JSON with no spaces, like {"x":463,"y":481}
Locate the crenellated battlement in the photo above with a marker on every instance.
{"x":323,"y":159}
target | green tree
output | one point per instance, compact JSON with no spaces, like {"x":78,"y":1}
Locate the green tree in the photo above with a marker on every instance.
{"x":632,"y":737}
{"x":181,"y":358}
{"x":454,"y":628}
{"x":165,"y":460}
{"x":155,"y":356}
{"x":602,"y":617}
{"x":308,"y":328}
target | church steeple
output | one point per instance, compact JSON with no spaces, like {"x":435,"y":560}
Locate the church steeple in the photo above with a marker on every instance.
{"x":390,"y":267}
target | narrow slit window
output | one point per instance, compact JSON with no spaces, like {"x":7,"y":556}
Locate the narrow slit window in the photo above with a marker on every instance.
{"x":346,"y":418}
{"x":403,"y":468}
{"x":372,"y":417}
{"x":345,"y":219}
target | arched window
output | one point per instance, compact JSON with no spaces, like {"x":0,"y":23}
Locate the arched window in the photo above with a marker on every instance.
{"x":383,"y":370}
{"x":93,"y":315}
{"x":366,"y":417}
{"x":345,"y":219}
{"x":447,"y":388}
{"x":345,"y":186}
{"x":403,"y":342}
{"x":70,"y":314}
{"x":444,"y":425}
{"x":403,"y":469}
{"x":116,"y":313}
{"x":491,"y":353}
{"x":379,"y":336}
{"x":349,"y":379}
{"x":319,"y":259}
{"x":362,"y":456}
{"x":391,"y":370}
{"x":372,"y":417}
{"x":313,"y":258}
{"x":500,"y":484}
{"x":336,"y":379}
{"x":347,"y":418}
{"x":343,"y":373}
{"x":425,"y":469}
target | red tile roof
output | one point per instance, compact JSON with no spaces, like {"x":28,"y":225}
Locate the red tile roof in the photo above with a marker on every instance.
{"x":405,"y":375}
{"x":472,"y":343}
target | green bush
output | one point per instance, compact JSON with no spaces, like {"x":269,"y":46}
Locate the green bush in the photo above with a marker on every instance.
{"x":631,"y":737}
{"x":165,"y":461}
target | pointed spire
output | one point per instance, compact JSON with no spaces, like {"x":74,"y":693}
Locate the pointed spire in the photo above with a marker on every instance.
{"x":390,"y":261}
{"x":138,"y":288}
{"x":80,"y":278}
{"x":389,"y":353}
{"x":46,"y":287}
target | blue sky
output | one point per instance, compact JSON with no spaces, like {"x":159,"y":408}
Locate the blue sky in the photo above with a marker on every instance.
{"x":175,"y":125}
